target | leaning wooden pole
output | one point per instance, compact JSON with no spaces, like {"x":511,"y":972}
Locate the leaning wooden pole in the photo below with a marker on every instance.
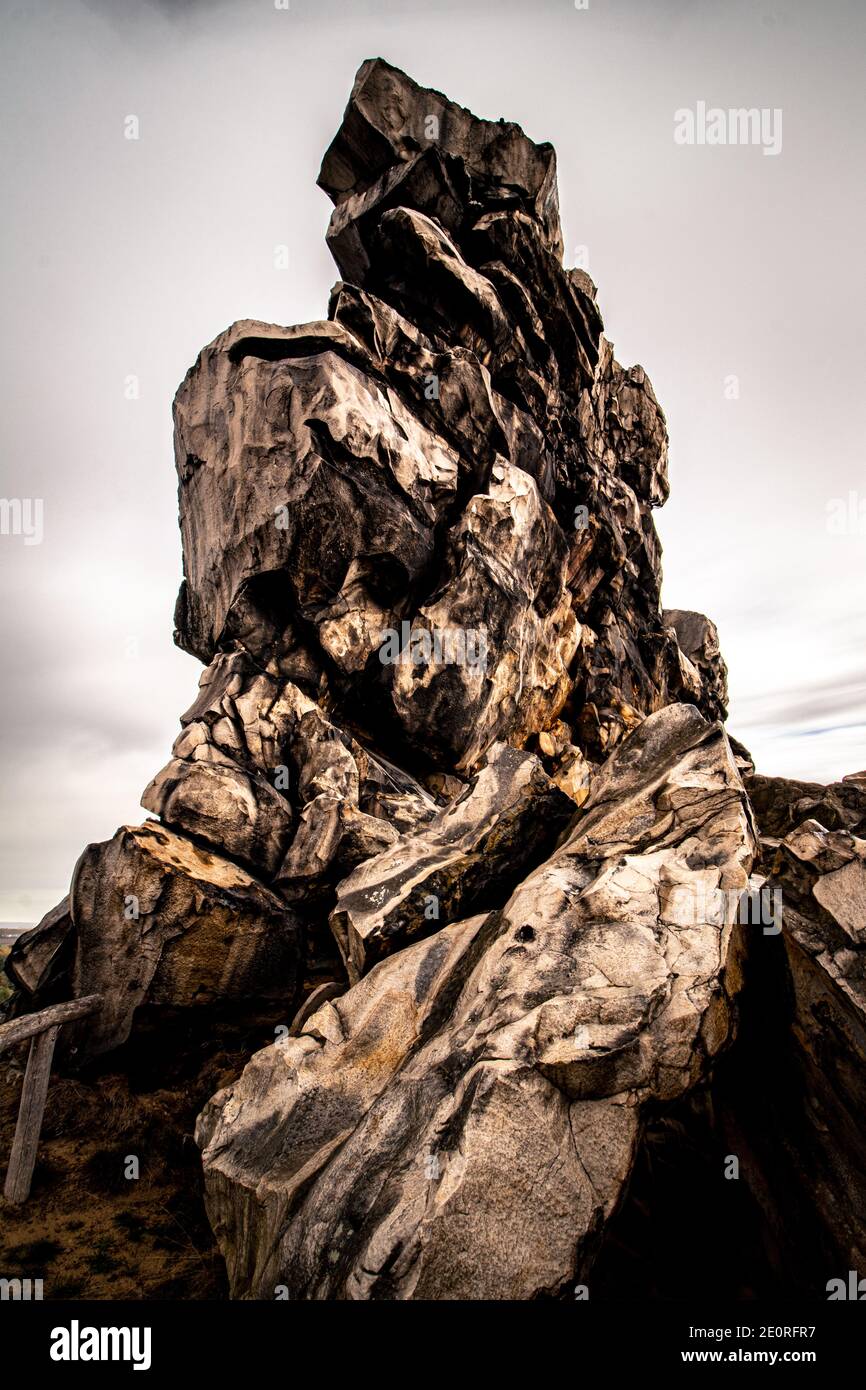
{"x":23,"y":1158}
{"x":42,"y":1028}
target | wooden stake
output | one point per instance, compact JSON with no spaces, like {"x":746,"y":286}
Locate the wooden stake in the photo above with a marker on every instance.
{"x":33,"y":1095}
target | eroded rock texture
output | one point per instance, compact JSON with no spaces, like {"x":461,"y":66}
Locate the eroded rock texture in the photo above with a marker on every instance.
{"x":160,"y":921}
{"x":454,"y":783}
{"x":483,"y":841}
{"x":455,"y":446}
{"x":461,"y":1123}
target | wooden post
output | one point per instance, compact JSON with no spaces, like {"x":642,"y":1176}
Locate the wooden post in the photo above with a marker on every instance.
{"x":33,"y":1094}
{"x":42,"y":1029}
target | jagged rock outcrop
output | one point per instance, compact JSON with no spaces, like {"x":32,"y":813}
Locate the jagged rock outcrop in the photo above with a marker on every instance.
{"x":462,"y":1122}
{"x":418,"y":527}
{"x":454,"y":448}
{"x":781,"y":804}
{"x":381,"y":133}
{"x":455,"y":792}
{"x":38,"y":963}
{"x":703,"y":668}
{"x":261,"y":774}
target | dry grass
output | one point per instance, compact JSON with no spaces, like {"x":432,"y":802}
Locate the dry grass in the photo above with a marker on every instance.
{"x":89,"y":1230}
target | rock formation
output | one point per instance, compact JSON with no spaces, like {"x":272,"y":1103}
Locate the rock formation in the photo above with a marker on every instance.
{"x":461,"y":1122}
{"x":455,"y":789}
{"x":814,"y":1149}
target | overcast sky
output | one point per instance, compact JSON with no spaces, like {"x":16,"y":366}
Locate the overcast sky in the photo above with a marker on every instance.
{"x":124,"y":257}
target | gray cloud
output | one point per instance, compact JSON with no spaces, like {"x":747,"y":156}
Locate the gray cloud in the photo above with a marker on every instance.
{"x":821,"y":700}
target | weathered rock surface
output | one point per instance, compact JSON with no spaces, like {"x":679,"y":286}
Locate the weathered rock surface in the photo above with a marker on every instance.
{"x":160,"y":921}
{"x":461,"y":1123}
{"x":39,"y":960}
{"x":510,"y":816}
{"x":822,"y":875}
{"x":793,"y":1111}
{"x":781,"y":804}
{"x":387,"y":117}
{"x":698,"y":641}
{"x":454,"y":448}
{"x":261,"y":774}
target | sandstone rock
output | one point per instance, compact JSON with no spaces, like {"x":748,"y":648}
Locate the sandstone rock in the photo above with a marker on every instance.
{"x":806,"y":1146}
{"x":264,"y":777}
{"x":573,"y":776}
{"x":323,"y":476}
{"x":781,"y":804}
{"x":38,"y":961}
{"x":159,"y":921}
{"x":698,"y":641}
{"x":454,"y":448}
{"x":822,"y":875}
{"x":743,"y":758}
{"x":460,"y":1124}
{"x":504,"y":581}
{"x":461,"y":860}
{"x":317,"y":997}
{"x":389,"y":118}
{"x":223,"y":804}
{"x":422,"y":571}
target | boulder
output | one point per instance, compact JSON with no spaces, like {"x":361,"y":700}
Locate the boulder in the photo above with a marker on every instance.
{"x":161,"y":921}
{"x":38,"y":961}
{"x":462,"y":1122}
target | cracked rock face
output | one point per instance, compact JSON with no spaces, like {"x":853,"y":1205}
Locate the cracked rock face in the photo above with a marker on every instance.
{"x":412,"y":531}
{"x":38,"y":963}
{"x":822,"y":874}
{"x":461,"y":1123}
{"x":261,"y":774}
{"x":781,"y":804}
